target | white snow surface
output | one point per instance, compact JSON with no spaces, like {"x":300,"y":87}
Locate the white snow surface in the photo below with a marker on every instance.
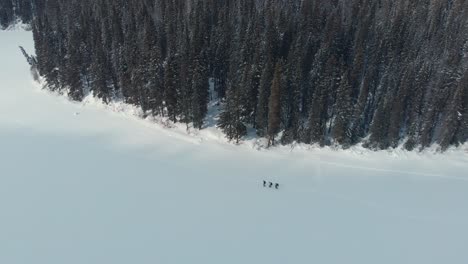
{"x":86,"y":183}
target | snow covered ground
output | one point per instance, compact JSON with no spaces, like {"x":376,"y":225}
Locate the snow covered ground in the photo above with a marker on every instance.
{"x":82,"y":184}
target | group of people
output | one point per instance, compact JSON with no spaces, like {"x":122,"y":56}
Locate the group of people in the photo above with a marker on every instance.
{"x":270,"y":184}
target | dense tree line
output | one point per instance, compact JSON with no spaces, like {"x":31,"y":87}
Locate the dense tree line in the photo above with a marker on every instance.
{"x":12,"y":11}
{"x":314,"y":71}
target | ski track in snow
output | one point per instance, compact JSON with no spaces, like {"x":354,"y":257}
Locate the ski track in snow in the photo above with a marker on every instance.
{"x":88,"y":183}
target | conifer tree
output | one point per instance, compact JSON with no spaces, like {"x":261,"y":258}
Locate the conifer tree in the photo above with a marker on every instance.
{"x":170,"y":87}
{"x":230,"y":119}
{"x":263,"y":95}
{"x":199,"y":91}
{"x":274,"y":106}
{"x":340,"y":127}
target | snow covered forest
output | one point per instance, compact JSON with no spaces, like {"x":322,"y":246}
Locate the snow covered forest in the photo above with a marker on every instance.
{"x":13,"y":10}
{"x":90,"y":181}
{"x":382,"y":73}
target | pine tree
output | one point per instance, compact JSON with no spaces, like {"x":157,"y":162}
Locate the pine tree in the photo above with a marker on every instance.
{"x":73,"y":70}
{"x":379,"y":127}
{"x":274,"y":106}
{"x":230,"y":119}
{"x":170,"y":87}
{"x":99,"y":79}
{"x":399,"y":105}
{"x":6,"y":13}
{"x":292,"y":95}
{"x":200,"y":91}
{"x":453,"y":121}
{"x":155,"y":70}
{"x":263,"y":95}
{"x":340,"y":130}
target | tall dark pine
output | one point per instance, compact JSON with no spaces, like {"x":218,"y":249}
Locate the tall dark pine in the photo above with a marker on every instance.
{"x":263,"y":95}
{"x":453,"y":126}
{"x":230,"y":120}
{"x":274,"y":106}
{"x":72,"y":71}
{"x":199,"y":91}
{"x":343,"y":107}
{"x":154,"y":69}
{"x":292,"y":97}
{"x":170,"y":87}
{"x":6,"y":13}
{"x":98,"y":71}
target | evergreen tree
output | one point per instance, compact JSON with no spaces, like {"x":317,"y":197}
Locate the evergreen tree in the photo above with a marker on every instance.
{"x":292,"y":95}
{"x":6,"y":13}
{"x":343,"y":106}
{"x":230,"y":119}
{"x":73,"y":68}
{"x":99,"y":79}
{"x":274,"y":106}
{"x":170,"y":87}
{"x":263,"y":95}
{"x":199,"y":91}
